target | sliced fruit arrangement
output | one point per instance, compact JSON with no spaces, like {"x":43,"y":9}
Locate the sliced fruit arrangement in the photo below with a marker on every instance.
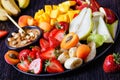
{"x":10,"y":7}
{"x":64,"y":28}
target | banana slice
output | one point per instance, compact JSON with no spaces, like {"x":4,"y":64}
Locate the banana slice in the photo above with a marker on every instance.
{"x":72,"y":52}
{"x":3,"y":17}
{"x":92,"y":54}
{"x":73,"y":62}
{"x":63,"y":57}
{"x":23,"y":3}
{"x":11,"y":7}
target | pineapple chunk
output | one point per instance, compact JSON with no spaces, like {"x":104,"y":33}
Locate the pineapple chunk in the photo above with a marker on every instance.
{"x":54,"y":13}
{"x":63,"y":17}
{"x":48,"y":9}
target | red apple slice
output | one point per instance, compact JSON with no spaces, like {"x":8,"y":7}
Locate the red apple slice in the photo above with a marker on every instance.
{"x":109,"y":15}
{"x":94,"y":5}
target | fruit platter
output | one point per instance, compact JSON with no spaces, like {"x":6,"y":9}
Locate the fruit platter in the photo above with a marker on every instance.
{"x":66,"y":36}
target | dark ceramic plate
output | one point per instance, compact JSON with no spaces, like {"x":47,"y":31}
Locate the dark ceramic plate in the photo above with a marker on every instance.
{"x":100,"y":51}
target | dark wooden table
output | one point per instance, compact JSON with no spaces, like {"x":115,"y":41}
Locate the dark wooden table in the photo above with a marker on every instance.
{"x":92,"y":71}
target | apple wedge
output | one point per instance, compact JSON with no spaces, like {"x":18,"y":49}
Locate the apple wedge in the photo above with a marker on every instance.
{"x":113,"y":28}
{"x":103,"y":30}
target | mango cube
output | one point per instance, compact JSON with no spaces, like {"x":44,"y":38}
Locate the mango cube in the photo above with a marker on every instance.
{"x":63,"y":17}
{"x":55,"y":7}
{"x":70,"y":3}
{"x":54,"y":13}
{"x":48,"y":9}
{"x":46,"y":17}
{"x":52,"y":22}
{"x":37,"y":14}
{"x":72,"y":13}
{"x":63,"y":8}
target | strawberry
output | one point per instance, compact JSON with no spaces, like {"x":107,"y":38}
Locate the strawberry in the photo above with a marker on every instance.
{"x":59,"y":35}
{"x":24,"y":65}
{"x":44,"y":44}
{"x":53,"y":42}
{"x":38,"y":54}
{"x":112,"y":63}
{"x":54,"y":66}
{"x":36,"y":66}
{"x":24,"y":54}
{"x":49,"y":53}
{"x":62,"y":25}
{"x":32,"y":55}
{"x":45,"y":35}
{"x":36,"y":48}
{"x":3,"y":33}
{"x":53,"y":32}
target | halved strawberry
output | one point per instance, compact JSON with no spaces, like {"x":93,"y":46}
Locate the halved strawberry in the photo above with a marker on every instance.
{"x":62,"y":25}
{"x":36,"y":66}
{"x":54,"y":66}
{"x":49,"y":53}
{"x":112,"y":63}
{"x":45,"y":35}
{"x":44,"y":44}
{"x":36,"y":48}
{"x":24,"y":54}
{"x":59,"y":35}
{"x":3,"y":33}
{"x":32,"y":55}
{"x":53,"y":42}
{"x":24,"y":65}
{"x":53,"y":32}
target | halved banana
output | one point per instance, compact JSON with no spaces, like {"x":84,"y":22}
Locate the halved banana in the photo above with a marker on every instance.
{"x":92,"y":53}
{"x":73,"y":62}
{"x":3,"y":17}
{"x":72,"y":52}
{"x":23,"y":3}
{"x":10,"y":6}
{"x":63,"y":57}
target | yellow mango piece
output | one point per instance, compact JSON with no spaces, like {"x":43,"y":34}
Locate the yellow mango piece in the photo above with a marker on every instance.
{"x":41,"y":19}
{"x":55,"y":7}
{"x":46,"y":17}
{"x":63,"y":17}
{"x":52,"y":21}
{"x":63,"y":8}
{"x":72,"y":13}
{"x":70,"y":3}
{"x":37,"y":14}
{"x":48,"y":9}
{"x":54,"y":13}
